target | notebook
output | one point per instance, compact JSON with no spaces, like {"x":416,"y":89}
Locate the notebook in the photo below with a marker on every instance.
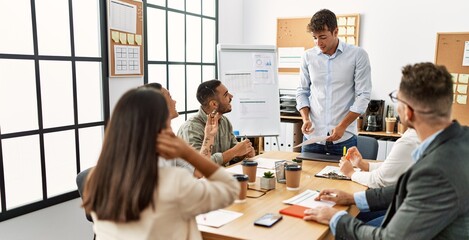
{"x":319,"y":157}
{"x":294,"y":211}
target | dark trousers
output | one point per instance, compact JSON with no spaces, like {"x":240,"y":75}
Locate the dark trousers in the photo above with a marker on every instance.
{"x":329,"y":147}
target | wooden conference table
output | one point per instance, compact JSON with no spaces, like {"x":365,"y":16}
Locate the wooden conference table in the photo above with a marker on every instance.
{"x":290,"y":227}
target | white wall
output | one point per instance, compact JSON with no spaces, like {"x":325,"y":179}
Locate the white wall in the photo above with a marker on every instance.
{"x":63,"y":221}
{"x":394,"y":33}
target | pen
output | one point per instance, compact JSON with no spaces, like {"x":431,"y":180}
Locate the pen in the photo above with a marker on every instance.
{"x":345,"y":151}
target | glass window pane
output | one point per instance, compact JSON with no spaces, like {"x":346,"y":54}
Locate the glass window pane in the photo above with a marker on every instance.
{"x":157,"y":2}
{"x":91,"y":139}
{"x":194,"y":39}
{"x":194,"y":75}
{"x":177,"y":85}
{"x":18,"y":163}
{"x":176,"y":36}
{"x":89,"y":92}
{"x":56,"y":93}
{"x":86,"y":26}
{"x":209,"y":39}
{"x":53,"y":27}
{"x":208,"y":73}
{"x":157,"y":73}
{"x":61,"y":164}
{"x":18,"y":34}
{"x":193,"y":6}
{"x":156,"y":20}
{"x":177,"y":122}
{"x":208,"y":8}
{"x":18,"y":104}
{"x":176,"y":4}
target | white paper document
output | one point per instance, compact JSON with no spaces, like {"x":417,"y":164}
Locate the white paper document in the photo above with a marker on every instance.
{"x":290,"y":57}
{"x":465,"y":60}
{"x":306,"y":199}
{"x":123,"y":16}
{"x":312,"y":140}
{"x":267,"y":163}
{"x":217,"y":218}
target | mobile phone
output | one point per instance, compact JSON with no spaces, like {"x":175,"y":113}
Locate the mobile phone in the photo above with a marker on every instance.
{"x":268,"y":220}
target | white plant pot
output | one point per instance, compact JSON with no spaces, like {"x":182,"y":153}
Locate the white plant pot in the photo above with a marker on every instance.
{"x":267,"y":183}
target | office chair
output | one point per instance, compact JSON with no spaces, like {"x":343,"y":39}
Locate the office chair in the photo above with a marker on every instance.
{"x":81,"y":178}
{"x":368,"y":147}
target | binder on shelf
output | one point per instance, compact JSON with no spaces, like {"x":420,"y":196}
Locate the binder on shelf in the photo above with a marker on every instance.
{"x":282,"y":139}
{"x":267,"y":144}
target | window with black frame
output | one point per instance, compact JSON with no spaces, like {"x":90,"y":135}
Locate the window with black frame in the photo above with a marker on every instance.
{"x":181,"y":38}
{"x":53,"y":99}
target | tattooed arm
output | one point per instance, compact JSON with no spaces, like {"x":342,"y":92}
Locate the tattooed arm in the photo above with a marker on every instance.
{"x":211,"y":129}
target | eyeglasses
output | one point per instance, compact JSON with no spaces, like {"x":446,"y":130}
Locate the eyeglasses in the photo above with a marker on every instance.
{"x":394,"y":99}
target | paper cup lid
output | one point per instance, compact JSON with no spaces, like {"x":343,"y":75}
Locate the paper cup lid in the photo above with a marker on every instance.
{"x":249,"y":163}
{"x":241,"y":177}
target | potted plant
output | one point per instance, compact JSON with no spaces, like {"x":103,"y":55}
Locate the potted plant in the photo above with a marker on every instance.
{"x":298,"y":161}
{"x":268,"y":180}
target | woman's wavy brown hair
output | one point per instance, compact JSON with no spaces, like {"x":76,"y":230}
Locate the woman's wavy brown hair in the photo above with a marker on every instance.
{"x":126,"y":175}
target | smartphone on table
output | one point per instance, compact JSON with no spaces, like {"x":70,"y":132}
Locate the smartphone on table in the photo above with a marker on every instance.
{"x":268,"y":220}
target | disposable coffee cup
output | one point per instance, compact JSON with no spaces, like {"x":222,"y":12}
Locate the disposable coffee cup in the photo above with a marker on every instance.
{"x":250,"y":169}
{"x":390,"y":124}
{"x":293,"y":175}
{"x":243,"y":183}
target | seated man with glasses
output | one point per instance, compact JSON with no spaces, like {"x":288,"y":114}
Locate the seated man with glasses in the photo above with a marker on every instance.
{"x":215,"y":98}
{"x":430,"y":200}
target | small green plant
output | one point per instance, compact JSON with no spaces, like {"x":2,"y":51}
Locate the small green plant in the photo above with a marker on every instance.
{"x":268,"y":174}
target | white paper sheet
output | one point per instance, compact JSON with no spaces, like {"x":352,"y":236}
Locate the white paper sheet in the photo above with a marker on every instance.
{"x":465,"y":60}
{"x":312,"y":140}
{"x":123,"y":16}
{"x":217,"y":218}
{"x":306,"y":199}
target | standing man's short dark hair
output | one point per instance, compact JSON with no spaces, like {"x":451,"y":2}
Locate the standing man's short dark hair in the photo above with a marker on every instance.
{"x":322,"y":18}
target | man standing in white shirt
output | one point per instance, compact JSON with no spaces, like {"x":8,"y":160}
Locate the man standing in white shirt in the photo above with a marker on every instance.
{"x":335,"y":87}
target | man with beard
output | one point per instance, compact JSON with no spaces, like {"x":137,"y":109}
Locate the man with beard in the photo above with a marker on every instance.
{"x":215,"y":98}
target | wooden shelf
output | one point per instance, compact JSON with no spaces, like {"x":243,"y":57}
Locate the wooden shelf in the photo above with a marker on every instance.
{"x":290,"y":117}
{"x":380,"y":134}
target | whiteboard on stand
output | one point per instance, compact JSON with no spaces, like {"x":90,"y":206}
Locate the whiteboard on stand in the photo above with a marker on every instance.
{"x":250,"y":74}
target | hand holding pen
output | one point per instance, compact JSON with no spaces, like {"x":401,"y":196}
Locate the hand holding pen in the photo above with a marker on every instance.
{"x":337,"y":196}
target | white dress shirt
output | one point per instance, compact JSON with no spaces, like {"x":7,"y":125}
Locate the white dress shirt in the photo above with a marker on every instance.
{"x":331,"y":86}
{"x":382,"y":174}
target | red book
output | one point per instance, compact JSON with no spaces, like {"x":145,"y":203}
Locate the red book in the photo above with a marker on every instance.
{"x":294,"y":211}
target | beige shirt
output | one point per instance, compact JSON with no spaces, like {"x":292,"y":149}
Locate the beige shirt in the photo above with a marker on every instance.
{"x":179,"y":197}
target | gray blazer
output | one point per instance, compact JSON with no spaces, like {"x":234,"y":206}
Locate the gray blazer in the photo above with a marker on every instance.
{"x":429,"y":201}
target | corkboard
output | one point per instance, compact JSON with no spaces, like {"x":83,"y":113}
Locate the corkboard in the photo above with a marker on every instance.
{"x":450,"y":52}
{"x":130,"y":48}
{"x":291,"y":32}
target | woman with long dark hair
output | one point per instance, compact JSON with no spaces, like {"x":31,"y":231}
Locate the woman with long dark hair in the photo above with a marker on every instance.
{"x":130,"y":197}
